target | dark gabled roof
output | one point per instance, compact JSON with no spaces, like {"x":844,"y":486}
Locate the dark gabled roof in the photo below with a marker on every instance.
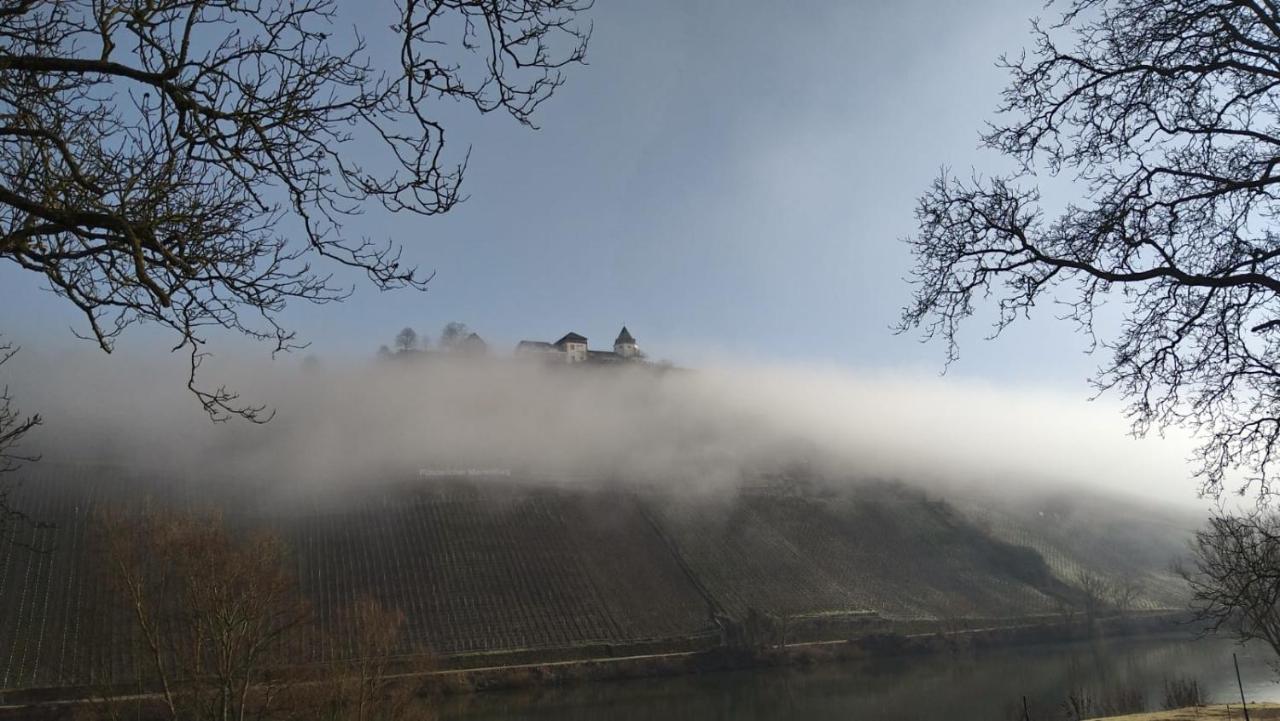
{"x":571,"y":338}
{"x":534,"y":344}
{"x":625,"y":337}
{"x":474,"y":336}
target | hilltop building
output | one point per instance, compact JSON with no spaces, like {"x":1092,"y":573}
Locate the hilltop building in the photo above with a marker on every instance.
{"x":625,"y":345}
{"x":572,"y":348}
{"x":473,"y":345}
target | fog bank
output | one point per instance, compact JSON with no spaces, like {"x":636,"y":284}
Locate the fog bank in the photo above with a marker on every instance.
{"x":702,"y":430}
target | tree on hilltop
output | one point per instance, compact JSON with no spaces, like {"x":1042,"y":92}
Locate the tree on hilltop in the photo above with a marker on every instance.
{"x":406,"y":340}
{"x":453,"y":335}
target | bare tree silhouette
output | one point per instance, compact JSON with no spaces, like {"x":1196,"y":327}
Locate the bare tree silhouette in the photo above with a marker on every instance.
{"x":214,"y":612}
{"x":453,"y":334}
{"x":14,"y":426}
{"x":1235,"y":576}
{"x":1166,"y":116}
{"x":186,"y":162}
{"x":215,"y":626}
{"x":406,"y":340}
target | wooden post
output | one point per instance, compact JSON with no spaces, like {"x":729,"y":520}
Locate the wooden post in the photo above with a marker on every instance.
{"x":1240,"y":684}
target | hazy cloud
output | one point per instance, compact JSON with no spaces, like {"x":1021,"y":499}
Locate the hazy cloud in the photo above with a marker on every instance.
{"x":696,"y":429}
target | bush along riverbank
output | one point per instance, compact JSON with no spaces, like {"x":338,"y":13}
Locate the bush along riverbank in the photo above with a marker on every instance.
{"x":757,"y":643}
{"x":1225,"y":712}
{"x":909,"y":639}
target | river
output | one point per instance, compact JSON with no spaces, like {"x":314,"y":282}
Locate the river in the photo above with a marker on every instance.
{"x":987,"y":685}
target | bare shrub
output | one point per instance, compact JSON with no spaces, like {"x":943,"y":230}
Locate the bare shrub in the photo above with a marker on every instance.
{"x":1095,"y":592}
{"x":1120,"y":700}
{"x":1079,"y":705}
{"x":378,"y":679}
{"x":218,"y":629}
{"x":1183,"y":693}
{"x":1235,"y":576}
{"x":1125,"y":593}
{"x":213,"y":613}
{"x":1082,"y":703}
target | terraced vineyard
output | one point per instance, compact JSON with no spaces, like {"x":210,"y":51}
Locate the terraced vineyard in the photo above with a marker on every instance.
{"x":501,"y":567}
{"x":516,"y":569}
{"x":1092,"y":537}
{"x":49,"y":595}
{"x":885,"y":550}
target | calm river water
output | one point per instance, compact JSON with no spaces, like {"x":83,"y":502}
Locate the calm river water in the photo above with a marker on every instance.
{"x":982,"y":686}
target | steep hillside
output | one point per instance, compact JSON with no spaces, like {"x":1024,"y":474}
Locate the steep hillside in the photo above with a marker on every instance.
{"x":882,"y":548}
{"x":509,"y":566}
{"x":474,"y":569}
{"x":479,"y":568}
{"x":1085,"y":534}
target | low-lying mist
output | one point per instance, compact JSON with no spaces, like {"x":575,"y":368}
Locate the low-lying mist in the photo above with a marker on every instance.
{"x":704,"y":431}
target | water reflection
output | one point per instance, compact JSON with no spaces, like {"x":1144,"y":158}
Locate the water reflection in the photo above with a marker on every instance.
{"x":968,"y":687}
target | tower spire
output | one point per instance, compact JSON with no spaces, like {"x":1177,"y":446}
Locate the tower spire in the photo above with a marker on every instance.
{"x":625,"y":345}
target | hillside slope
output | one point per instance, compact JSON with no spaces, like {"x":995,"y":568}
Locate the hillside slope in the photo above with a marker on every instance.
{"x":883,"y":549}
{"x":1077,"y":535}
{"x":497,"y":567}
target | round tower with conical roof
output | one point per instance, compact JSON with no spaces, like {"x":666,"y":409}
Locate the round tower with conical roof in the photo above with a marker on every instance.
{"x":625,"y":346}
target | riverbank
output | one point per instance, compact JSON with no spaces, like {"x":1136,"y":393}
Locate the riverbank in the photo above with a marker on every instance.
{"x":470,"y":674}
{"x":1257,"y":712}
{"x":963,"y":681}
{"x":868,"y":647}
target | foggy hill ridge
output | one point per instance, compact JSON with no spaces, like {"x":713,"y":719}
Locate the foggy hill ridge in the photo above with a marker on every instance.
{"x":507,"y":508}
{"x":517,"y":566}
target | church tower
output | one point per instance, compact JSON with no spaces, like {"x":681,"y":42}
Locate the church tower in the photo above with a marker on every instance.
{"x":625,"y":346}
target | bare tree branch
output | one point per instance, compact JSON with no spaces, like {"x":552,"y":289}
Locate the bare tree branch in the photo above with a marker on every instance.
{"x":1167,"y":117}
{"x":191,"y":163}
{"x":14,"y":426}
{"x":1235,"y":577}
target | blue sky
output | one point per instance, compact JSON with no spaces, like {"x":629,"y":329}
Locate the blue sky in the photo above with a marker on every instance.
{"x":727,"y":178}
